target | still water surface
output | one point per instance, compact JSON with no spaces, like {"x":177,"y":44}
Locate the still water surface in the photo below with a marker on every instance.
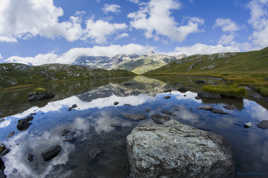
{"x":95,"y":144}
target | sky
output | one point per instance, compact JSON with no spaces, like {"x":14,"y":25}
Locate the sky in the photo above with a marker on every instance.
{"x":45,"y":31}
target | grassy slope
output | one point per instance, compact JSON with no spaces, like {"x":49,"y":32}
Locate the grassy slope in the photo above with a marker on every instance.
{"x":19,"y":75}
{"x":250,"y":68}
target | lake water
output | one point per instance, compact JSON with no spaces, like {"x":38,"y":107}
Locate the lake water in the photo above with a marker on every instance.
{"x":93,"y":135}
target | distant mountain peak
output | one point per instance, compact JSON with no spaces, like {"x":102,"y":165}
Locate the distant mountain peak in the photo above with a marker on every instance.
{"x":151,"y":53}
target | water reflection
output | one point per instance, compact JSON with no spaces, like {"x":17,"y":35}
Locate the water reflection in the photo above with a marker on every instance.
{"x":92,"y":135}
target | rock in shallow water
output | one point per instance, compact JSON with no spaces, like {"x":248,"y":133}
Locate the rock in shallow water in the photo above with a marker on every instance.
{"x":51,"y":153}
{"x":135,"y":117}
{"x":206,"y":95}
{"x":248,"y":125}
{"x":24,"y":124}
{"x":174,"y":150}
{"x":263,"y":124}
{"x":3,"y":150}
{"x":159,"y":118}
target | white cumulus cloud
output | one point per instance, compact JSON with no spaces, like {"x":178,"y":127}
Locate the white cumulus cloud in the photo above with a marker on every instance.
{"x":28,"y":18}
{"x":204,"y":49}
{"x":134,"y":1}
{"x":155,"y":19}
{"x":227,"y":25}
{"x":259,"y":22}
{"x":99,"y":30}
{"x":114,"y":8}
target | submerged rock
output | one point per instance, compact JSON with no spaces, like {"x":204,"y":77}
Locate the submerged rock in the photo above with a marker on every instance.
{"x":148,"y":110}
{"x":135,"y":117}
{"x":206,"y":108}
{"x":11,"y":134}
{"x":218,"y":111}
{"x":263,"y":124}
{"x":159,"y":118}
{"x":24,"y":124}
{"x":30,"y":157}
{"x":94,"y":153}
{"x":214,"y":110}
{"x":229,"y":107}
{"x":51,"y":153}
{"x":167,"y":112}
{"x":167,"y":97}
{"x":69,"y":136}
{"x":197,"y":98}
{"x":175,"y":150}
{"x":206,"y":95}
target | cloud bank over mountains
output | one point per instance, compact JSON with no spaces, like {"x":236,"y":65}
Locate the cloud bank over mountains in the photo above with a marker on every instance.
{"x":158,"y":22}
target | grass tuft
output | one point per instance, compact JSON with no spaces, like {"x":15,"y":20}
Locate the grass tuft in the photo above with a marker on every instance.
{"x":226,"y":90}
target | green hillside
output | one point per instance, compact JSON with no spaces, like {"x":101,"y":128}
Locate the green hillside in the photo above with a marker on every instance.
{"x":19,"y":75}
{"x":248,"y":68}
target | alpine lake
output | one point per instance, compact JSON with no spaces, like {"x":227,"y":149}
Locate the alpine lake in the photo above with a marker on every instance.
{"x":88,"y":122}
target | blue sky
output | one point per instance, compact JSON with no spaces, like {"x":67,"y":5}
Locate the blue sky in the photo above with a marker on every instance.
{"x":49,"y":30}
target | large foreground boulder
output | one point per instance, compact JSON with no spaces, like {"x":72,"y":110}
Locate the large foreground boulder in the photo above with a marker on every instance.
{"x":175,"y":150}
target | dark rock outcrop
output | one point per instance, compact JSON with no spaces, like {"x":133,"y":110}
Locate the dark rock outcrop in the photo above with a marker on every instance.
{"x":30,"y":157}
{"x":175,"y":150}
{"x":3,"y":150}
{"x":2,"y":168}
{"x":182,"y":90}
{"x":39,"y":96}
{"x":200,"y":82}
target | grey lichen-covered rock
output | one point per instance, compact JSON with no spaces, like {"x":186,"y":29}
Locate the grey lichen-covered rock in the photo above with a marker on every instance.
{"x":175,"y":150}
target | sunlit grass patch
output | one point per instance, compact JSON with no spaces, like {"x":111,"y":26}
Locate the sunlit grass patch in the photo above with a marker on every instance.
{"x":40,"y":90}
{"x":226,"y":90}
{"x":17,"y":87}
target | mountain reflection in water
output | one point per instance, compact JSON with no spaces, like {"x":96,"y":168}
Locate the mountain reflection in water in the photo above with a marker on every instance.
{"x":92,"y":135}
